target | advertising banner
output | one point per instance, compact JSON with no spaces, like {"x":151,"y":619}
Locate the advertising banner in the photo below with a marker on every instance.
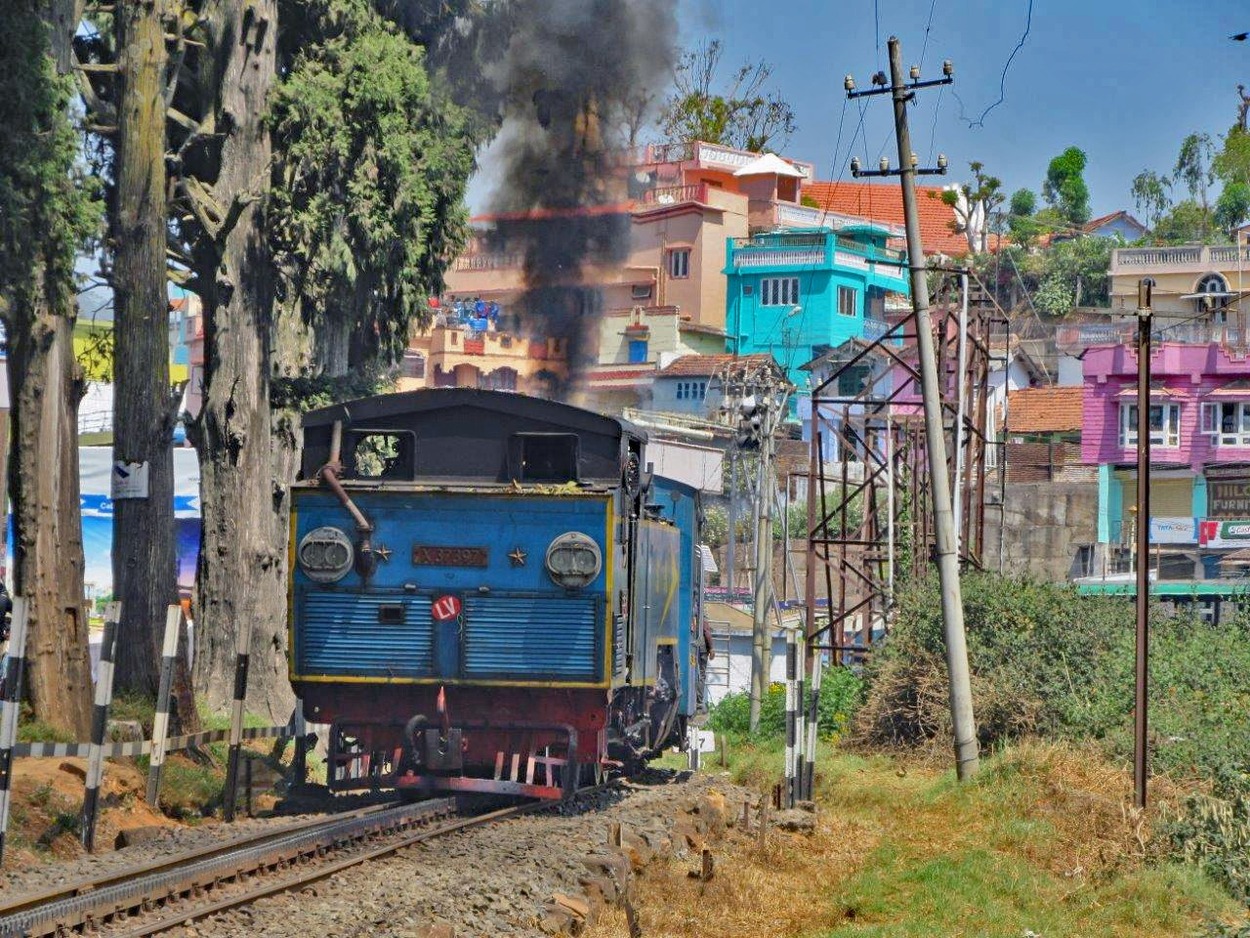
{"x":1216,"y":533}
{"x":1181,"y":530}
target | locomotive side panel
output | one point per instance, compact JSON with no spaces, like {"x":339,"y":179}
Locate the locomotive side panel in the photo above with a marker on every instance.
{"x":680,"y":502}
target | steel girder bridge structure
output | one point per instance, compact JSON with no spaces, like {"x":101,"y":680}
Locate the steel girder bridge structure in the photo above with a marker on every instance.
{"x":869,"y":508}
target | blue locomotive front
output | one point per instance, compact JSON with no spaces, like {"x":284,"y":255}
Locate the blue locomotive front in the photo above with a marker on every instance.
{"x":482,"y":596}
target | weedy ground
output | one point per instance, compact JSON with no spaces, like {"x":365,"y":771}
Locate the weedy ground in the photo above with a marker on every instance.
{"x":1043,"y":842}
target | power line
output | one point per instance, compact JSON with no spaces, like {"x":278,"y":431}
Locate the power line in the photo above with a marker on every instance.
{"x":928,"y":26}
{"x":937,"y":109}
{"x":876,"y":20}
{"x":1002,"y":81}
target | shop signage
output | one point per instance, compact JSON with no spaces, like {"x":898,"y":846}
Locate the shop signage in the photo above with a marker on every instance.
{"x":1182,"y":530}
{"x":1213,"y":532}
{"x":1228,"y":496}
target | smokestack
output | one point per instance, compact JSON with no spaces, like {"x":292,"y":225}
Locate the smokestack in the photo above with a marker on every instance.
{"x":565,"y":78}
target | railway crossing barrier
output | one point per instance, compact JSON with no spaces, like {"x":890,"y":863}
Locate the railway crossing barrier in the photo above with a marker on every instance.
{"x":8,"y":711}
{"x":97,"y":750}
{"x":99,"y":724}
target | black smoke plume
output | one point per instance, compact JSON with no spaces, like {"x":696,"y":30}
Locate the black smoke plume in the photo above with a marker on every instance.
{"x":571,"y":73}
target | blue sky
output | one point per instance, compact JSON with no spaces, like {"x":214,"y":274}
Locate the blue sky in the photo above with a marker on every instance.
{"x":1124,"y":80}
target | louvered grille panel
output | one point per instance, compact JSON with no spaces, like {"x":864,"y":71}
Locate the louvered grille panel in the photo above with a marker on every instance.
{"x":340,"y":634}
{"x":618,"y":645}
{"x":532,"y":637}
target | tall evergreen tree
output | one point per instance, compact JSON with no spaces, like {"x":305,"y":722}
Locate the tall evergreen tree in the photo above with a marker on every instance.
{"x":46,"y":214}
{"x":144,"y":577}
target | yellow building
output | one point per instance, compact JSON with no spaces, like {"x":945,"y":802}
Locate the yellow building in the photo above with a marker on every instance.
{"x":1198,"y":283}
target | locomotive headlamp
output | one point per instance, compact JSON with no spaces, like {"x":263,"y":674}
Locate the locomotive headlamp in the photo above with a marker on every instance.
{"x":325,"y":554}
{"x":573,"y":559}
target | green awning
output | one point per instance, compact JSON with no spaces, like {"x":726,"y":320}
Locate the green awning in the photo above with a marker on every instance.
{"x":1177,"y":589}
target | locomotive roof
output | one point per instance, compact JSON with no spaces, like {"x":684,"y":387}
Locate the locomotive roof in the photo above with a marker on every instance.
{"x":465,"y":437}
{"x":366,"y":409}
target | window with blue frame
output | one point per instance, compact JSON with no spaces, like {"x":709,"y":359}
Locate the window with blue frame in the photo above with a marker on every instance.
{"x":691,"y":390}
{"x":637,"y":351}
{"x":779,"y":291}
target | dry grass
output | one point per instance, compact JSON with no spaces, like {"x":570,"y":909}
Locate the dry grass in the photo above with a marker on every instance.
{"x":780,"y":888}
{"x":1044,"y":840}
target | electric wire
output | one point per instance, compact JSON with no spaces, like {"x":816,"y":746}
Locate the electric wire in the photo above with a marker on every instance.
{"x":876,"y":20}
{"x":1002,"y":81}
{"x":928,"y":26}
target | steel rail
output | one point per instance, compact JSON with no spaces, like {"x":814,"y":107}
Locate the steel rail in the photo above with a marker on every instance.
{"x":91,"y":884}
{"x":86,"y":905}
{"x":305,"y":877}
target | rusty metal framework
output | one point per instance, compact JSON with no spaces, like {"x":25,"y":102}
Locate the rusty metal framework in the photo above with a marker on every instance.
{"x":869,"y":494}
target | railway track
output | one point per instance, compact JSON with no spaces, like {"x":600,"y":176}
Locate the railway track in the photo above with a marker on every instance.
{"x":172,"y":891}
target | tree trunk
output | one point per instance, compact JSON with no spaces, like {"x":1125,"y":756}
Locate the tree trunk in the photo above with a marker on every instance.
{"x":144,"y":574}
{"x":241,"y":581}
{"x":45,"y":386}
{"x":45,"y":383}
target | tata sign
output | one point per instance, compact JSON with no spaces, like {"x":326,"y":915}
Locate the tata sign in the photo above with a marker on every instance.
{"x":1183,"y":530}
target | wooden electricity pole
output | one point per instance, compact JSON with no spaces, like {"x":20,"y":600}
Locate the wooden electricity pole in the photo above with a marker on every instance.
{"x":1142,"y":665}
{"x":967,"y":757}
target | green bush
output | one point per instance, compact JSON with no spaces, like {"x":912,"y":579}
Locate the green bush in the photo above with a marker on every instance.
{"x":1048,"y":661}
{"x":1212,"y":831}
{"x":840,"y":693}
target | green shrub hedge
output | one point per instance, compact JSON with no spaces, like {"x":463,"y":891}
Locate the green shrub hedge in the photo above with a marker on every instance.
{"x":840,"y":693}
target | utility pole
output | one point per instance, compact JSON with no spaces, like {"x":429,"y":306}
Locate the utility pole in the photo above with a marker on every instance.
{"x":762,"y":594}
{"x":967,"y":758}
{"x":755,"y":397}
{"x":1142,"y":669}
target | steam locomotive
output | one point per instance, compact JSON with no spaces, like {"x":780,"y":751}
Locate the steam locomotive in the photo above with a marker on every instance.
{"x":490,"y":593}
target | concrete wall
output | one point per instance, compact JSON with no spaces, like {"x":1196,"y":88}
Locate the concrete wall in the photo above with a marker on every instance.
{"x":1047,"y":523}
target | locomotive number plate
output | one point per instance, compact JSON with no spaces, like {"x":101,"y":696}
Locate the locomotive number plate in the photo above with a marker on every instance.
{"x":426,"y":556}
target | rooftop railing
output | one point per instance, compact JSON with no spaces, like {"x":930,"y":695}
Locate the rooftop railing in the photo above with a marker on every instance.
{"x":1188,"y":257}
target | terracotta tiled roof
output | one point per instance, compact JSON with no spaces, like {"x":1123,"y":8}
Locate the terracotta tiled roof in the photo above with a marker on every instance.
{"x":882,"y":202}
{"x":1095,"y":223}
{"x":700,"y":366}
{"x":537,"y":214}
{"x":1044,"y":410}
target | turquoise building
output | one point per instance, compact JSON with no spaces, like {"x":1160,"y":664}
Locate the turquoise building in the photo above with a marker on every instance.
{"x":797,"y":293}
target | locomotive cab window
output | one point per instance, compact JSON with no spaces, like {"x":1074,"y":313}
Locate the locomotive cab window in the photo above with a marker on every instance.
{"x":543,"y":457}
{"x":382,"y":454}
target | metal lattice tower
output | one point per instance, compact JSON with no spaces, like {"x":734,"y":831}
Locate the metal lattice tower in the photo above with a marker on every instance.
{"x":869,"y":512}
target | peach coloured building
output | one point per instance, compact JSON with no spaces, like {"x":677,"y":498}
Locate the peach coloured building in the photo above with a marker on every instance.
{"x":454,"y":356}
{"x":667,"y":296}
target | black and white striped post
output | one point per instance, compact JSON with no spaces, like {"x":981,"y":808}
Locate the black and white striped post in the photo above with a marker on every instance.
{"x":800,"y":733}
{"x":792,"y":707}
{"x":813,"y":721}
{"x":242,"y":646}
{"x":99,"y":723}
{"x":9,"y":706}
{"x":160,"y":723}
{"x":299,"y":761}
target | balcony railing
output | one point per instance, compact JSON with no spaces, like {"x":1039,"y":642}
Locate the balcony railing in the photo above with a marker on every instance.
{"x":1194,"y":257}
{"x":490,"y":261}
{"x":781,"y":241}
{"x":673,"y":195}
{"x":875,"y":328}
{"x":1073,"y":338}
{"x":708,"y":154}
{"x":779,"y":257}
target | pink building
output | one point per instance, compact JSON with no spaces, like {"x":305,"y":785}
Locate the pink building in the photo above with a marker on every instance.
{"x":1200,"y":454}
{"x":1199,"y":406}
